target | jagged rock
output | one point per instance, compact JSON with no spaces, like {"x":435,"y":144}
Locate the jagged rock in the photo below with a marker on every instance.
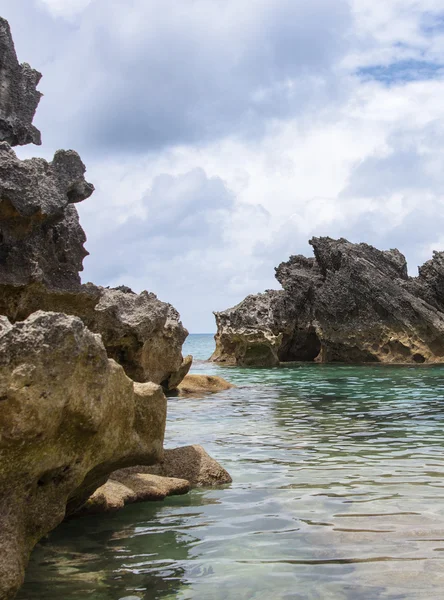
{"x":18,"y":96}
{"x":250,"y":334}
{"x":69,"y":416}
{"x":41,"y":240}
{"x":41,"y":254}
{"x":350,"y":303}
{"x":191,"y":463}
{"x":195,"y":383}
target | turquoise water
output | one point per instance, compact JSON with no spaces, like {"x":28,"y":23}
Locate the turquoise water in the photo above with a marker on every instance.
{"x":338,"y":488}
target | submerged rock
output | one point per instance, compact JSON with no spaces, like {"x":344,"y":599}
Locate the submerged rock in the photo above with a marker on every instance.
{"x":200,"y":384}
{"x":69,"y":416}
{"x":18,"y":95}
{"x":350,"y":303}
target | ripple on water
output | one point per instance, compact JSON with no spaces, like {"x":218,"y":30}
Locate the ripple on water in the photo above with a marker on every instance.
{"x":337,"y":493}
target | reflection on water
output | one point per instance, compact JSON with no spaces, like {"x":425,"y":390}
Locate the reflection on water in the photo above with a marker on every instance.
{"x":338,"y":493}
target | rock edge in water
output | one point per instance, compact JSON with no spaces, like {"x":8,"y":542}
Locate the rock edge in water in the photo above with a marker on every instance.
{"x":180,"y":470}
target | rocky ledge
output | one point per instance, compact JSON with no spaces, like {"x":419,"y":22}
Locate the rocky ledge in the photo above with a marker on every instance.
{"x":349,"y":303}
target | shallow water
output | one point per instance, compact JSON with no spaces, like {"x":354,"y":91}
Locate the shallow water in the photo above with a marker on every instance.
{"x":338,"y":487}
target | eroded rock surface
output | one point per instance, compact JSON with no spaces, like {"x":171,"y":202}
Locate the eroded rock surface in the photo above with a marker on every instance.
{"x":41,"y":240}
{"x":139,"y":331}
{"x":350,"y":303}
{"x":18,"y":95}
{"x":69,"y":416}
{"x":41,"y":255}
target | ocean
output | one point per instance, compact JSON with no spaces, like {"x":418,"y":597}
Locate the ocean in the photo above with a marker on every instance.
{"x":338,"y":487}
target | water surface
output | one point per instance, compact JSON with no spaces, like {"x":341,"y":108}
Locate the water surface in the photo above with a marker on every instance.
{"x":338,"y":493}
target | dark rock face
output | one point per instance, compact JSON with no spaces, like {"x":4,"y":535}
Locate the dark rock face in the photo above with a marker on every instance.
{"x":41,"y":239}
{"x":350,"y":303}
{"x":18,"y":96}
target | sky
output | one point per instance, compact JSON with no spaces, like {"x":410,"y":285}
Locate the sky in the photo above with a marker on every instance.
{"x":221,"y":135}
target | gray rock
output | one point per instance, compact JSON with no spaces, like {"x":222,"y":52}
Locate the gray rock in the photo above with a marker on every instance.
{"x":41,"y":239}
{"x":69,"y":416}
{"x":18,"y":96}
{"x":350,"y":303}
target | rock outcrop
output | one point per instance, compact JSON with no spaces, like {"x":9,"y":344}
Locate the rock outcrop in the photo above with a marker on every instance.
{"x":69,"y":416}
{"x":139,"y":331}
{"x":42,"y":245}
{"x":197,"y":384}
{"x":41,"y":240}
{"x":79,"y":364}
{"x":18,"y":95}
{"x":350,"y":303}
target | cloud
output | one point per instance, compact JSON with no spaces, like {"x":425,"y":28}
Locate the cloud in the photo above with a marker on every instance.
{"x":222,"y":135}
{"x":166,"y":73}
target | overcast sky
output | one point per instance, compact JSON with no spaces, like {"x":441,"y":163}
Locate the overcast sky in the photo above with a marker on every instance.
{"x":222,"y":134}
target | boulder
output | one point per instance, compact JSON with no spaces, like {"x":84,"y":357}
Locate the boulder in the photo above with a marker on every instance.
{"x":350,"y":303}
{"x":202,"y":384}
{"x":127,"y":487}
{"x":191,"y":463}
{"x":18,"y":95}
{"x":69,"y":416}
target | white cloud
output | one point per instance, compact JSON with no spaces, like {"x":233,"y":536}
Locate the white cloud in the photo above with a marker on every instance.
{"x":202,"y":219}
{"x":65,"y":8}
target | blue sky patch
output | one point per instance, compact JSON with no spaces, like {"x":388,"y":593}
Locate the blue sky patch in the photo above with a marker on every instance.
{"x":403,"y":71}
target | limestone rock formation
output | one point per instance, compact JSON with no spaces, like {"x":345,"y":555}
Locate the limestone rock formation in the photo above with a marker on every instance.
{"x":41,"y":240}
{"x":69,"y":416}
{"x":139,"y":331}
{"x":42,"y":245}
{"x":18,"y":96}
{"x":350,"y":303}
